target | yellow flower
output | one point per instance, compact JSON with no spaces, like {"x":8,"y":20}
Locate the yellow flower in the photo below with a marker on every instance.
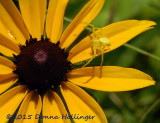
{"x":41,"y":67}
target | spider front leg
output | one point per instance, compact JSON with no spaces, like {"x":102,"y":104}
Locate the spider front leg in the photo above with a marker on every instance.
{"x":94,"y":55}
{"x":102,"y":59}
{"x":102,"y":56}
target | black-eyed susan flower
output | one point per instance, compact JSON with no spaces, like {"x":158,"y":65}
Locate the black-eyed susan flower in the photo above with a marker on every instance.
{"x":41,"y":66}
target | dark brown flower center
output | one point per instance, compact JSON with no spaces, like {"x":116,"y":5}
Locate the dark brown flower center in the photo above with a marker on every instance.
{"x":42,"y":65}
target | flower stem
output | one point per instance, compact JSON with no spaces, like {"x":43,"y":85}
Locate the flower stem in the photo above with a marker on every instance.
{"x":142,"y":120}
{"x":67,"y":19}
{"x":128,"y":45}
{"x":141,"y":51}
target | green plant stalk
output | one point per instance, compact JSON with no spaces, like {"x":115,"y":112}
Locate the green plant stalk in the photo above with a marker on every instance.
{"x":141,"y":51}
{"x":153,"y":106}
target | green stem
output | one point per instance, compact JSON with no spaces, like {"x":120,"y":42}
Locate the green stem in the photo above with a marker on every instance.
{"x":67,"y":19}
{"x":149,"y":110}
{"x":128,"y":45}
{"x":141,"y":51}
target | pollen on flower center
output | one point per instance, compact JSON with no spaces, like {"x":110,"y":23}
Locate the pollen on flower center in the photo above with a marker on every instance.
{"x":40,"y":56}
{"x":42,"y":65}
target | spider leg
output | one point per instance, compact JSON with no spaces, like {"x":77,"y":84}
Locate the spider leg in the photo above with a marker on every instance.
{"x":94,"y":55}
{"x":88,"y":61}
{"x":102,"y":58}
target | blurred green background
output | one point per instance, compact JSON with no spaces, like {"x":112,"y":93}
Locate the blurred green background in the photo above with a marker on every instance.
{"x":138,"y":106}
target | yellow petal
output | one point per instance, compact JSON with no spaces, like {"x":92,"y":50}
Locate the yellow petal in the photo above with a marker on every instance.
{"x":10,"y":100}
{"x":6,"y":51}
{"x":81,"y":104}
{"x":6,"y":81}
{"x":33,"y":13}
{"x":87,"y":14}
{"x":7,"y":47}
{"x":12,"y":20}
{"x":118,"y":34}
{"x":112,"y":78}
{"x":31,"y":105}
{"x":53,"y":106}
{"x":54,"y":22}
{"x":6,"y":66}
{"x":5,"y":32}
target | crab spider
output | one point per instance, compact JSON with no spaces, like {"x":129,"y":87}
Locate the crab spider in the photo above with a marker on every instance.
{"x":98,"y":43}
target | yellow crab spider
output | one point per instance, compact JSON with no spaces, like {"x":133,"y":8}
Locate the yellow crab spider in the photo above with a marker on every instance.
{"x":98,"y":43}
